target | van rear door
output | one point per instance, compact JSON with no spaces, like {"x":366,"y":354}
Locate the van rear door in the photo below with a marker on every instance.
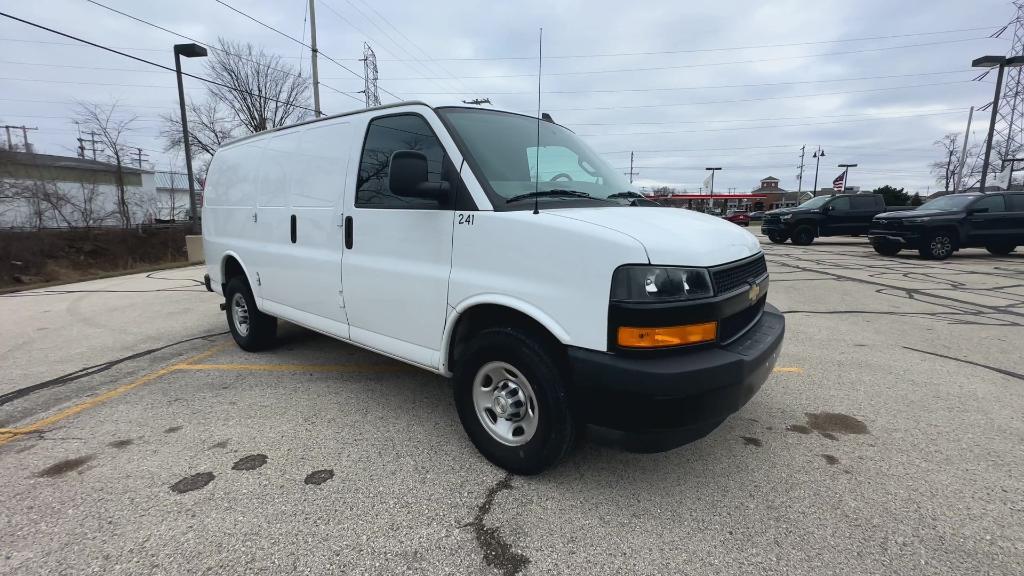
{"x":397,"y":265}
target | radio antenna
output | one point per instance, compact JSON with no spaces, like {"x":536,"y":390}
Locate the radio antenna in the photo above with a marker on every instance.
{"x":540,"y":66}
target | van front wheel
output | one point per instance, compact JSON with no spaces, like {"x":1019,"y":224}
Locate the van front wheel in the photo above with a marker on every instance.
{"x":251,"y":329}
{"x":512,"y":399}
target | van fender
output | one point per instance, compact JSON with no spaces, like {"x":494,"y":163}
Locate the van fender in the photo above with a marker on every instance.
{"x":241,"y":262}
{"x":538,"y":315}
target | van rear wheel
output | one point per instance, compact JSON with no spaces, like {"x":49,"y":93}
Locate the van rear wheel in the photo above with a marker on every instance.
{"x":513,"y":402}
{"x":251,"y":329}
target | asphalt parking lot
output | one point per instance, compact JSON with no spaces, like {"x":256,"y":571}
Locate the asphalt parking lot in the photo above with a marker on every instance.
{"x":136,"y":438}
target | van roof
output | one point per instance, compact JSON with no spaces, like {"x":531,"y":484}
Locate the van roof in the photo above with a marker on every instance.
{"x":372,"y":109}
{"x":329,"y":117}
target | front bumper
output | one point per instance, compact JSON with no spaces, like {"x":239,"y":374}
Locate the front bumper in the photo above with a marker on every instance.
{"x":689,"y":389}
{"x":902,"y":238}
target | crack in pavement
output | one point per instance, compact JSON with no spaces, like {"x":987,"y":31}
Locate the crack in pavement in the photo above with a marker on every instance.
{"x":92,"y":370}
{"x":498,"y":553}
{"x":1002,"y":371}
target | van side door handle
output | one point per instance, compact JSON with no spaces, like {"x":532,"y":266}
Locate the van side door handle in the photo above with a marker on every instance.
{"x":294,"y":231}
{"x":348,"y":232}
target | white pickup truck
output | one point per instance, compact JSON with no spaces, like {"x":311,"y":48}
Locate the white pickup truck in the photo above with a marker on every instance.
{"x":497,"y":249}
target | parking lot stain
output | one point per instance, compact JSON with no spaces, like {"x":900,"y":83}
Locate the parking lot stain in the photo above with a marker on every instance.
{"x":752,"y":441}
{"x":65,"y":466}
{"x":250,"y":462}
{"x":193,"y":482}
{"x":830,"y":459}
{"x":828,"y":436}
{"x":498,"y":553}
{"x":172,"y":429}
{"x":835,"y":423}
{"x":121,"y":443}
{"x":221,"y":444}
{"x":798,"y":428}
{"x":318,"y":477}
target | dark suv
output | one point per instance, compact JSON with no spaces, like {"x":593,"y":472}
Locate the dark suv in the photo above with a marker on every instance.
{"x":837,"y":215}
{"x":994,"y":221}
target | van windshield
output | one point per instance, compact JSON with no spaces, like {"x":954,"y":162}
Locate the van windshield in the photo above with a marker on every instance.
{"x":502,"y":148}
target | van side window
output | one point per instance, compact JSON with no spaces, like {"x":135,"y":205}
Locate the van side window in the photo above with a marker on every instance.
{"x":993,"y":203}
{"x":1016,"y":202}
{"x":384,"y":137}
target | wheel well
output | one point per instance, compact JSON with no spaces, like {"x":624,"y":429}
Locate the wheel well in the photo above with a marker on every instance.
{"x":232,"y":268}
{"x":484,"y":316}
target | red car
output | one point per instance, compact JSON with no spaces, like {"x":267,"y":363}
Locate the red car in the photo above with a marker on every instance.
{"x":738,"y":217}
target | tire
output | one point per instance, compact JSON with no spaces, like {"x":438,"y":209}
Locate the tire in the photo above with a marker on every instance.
{"x":803,"y":236}
{"x":937,"y":246}
{"x":887,"y":249}
{"x":513,"y":362}
{"x":251,"y":329}
{"x":777,"y":237}
{"x":1000,"y":249}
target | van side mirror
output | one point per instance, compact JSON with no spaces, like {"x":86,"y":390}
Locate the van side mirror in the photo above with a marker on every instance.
{"x":407,"y":177}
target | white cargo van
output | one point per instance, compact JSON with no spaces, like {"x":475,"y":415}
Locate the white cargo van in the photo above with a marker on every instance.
{"x":449,"y":239}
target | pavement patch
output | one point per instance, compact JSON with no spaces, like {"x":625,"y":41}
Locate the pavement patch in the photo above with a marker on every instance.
{"x":64,"y":466}
{"x":250,"y":462}
{"x":830,"y":459}
{"x":318,"y":477}
{"x":173,"y":429}
{"x":193,"y":482}
{"x":752,"y":441}
{"x":835,"y":423}
{"x":121,"y":443}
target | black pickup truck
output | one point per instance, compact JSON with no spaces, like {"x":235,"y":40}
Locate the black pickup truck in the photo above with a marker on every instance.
{"x":994,"y":221}
{"x":837,"y":215}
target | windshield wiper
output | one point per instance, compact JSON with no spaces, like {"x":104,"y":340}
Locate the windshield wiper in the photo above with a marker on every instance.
{"x":549,"y":193}
{"x":626,"y":195}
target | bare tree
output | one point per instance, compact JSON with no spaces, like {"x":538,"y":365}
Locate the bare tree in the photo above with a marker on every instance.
{"x":262,"y":90}
{"x":945,"y":170}
{"x":210,"y":125}
{"x":112,"y":130}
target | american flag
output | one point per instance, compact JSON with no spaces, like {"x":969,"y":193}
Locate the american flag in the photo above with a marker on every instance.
{"x":839,"y":184}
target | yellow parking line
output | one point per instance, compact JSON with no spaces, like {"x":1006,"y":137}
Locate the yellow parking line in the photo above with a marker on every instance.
{"x":299,"y":367}
{"x":792,"y":369}
{"x":9,"y":434}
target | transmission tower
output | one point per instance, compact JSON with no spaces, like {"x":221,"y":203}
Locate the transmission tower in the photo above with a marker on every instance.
{"x":370,"y":76}
{"x":1010,"y":119}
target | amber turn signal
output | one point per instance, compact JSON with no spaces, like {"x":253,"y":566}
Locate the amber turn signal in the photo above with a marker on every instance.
{"x":662,"y":337}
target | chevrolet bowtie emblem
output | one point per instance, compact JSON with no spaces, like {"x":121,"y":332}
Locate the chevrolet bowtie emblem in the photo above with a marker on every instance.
{"x":754,"y":293}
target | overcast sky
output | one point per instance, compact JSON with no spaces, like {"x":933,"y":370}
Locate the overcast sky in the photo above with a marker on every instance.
{"x":731,"y":83}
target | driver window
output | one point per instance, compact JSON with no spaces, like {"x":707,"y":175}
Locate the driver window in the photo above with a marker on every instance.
{"x":384,"y":137}
{"x":842,"y":203}
{"x":560,"y":164}
{"x":992,"y":203}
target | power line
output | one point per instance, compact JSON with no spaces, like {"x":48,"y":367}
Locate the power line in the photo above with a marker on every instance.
{"x":736,"y":128}
{"x":634,"y":106}
{"x":711,"y":64}
{"x":211,"y":46}
{"x":150,"y":62}
{"x":294,"y":39}
{"x":717,"y":120}
{"x":718,"y":49}
{"x":718,"y":86}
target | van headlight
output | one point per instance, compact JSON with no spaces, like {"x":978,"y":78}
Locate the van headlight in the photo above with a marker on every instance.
{"x":660,"y":283}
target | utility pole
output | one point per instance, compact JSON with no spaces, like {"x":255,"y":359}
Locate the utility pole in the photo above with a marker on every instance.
{"x":800,"y":177}
{"x":963,"y":154}
{"x":139,"y":155}
{"x":631,"y":173}
{"x":24,"y":136}
{"x":313,"y":55}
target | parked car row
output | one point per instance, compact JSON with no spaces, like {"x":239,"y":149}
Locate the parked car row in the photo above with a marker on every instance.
{"x":937,"y":229}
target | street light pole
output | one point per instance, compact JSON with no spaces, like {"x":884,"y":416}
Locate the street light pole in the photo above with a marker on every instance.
{"x":988,"y":62}
{"x":188,"y":51}
{"x":818,"y":155}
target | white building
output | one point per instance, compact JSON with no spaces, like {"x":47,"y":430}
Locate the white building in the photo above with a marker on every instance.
{"x":42,"y":190}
